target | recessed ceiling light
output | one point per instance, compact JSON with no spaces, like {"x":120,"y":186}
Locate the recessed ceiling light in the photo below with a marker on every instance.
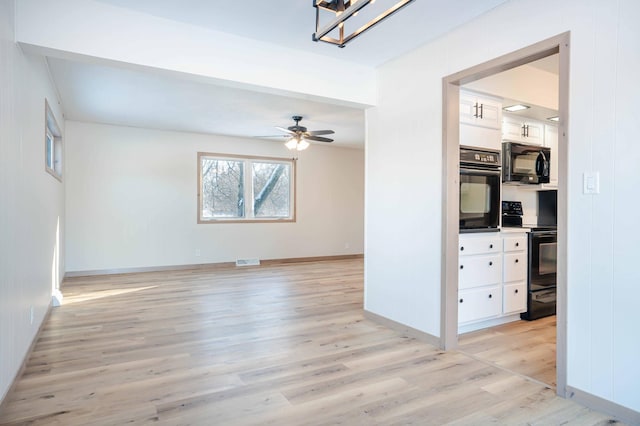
{"x":517,"y":107}
{"x":556,"y":118}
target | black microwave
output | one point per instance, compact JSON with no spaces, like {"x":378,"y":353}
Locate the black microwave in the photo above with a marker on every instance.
{"x":525,"y":164}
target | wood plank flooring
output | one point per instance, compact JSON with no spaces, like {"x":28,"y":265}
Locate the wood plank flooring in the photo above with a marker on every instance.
{"x":271,"y":345}
{"x":524,"y":347}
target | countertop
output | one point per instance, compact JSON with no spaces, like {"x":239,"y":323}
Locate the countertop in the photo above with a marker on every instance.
{"x":514,"y":230}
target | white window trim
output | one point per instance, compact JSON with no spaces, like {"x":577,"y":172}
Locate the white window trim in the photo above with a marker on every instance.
{"x":51,"y":130}
{"x":248,"y":184}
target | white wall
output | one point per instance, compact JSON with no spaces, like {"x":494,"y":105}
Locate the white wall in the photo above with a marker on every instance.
{"x":131,"y":201}
{"x":31,"y":201}
{"x":403,"y":217}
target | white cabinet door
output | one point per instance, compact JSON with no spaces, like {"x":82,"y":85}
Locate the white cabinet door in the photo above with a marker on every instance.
{"x":515,"y":267}
{"x":480,"y":110}
{"x":512,"y":129}
{"x":479,"y":303}
{"x":490,"y":113}
{"x":514,"y":298}
{"x":551,"y":141}
{"x":521,"y":129}
{"x":468,"y":107}
{"x":534,"y":134}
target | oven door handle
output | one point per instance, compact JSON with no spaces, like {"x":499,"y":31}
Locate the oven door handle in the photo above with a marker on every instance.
{"x":468,"y":170}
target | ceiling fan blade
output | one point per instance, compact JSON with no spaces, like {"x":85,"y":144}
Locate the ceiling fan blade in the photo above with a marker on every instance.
{"x":318,"y":139}
{"x":282,"y":129}
{"x":321,"y":132}
{"x":272,"y":136}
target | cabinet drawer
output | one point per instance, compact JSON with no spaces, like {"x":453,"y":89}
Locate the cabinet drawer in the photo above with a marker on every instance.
{"x":479,"y":304}
{"x":475,"y":271}
{"x":515,"y":267}
{"x":514,"y":298}
{"x":469,"y":245}
{"x":515,"y":243}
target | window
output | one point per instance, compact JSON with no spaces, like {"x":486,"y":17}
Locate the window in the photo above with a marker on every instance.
{"x":235,"y":188}
{"x":52,"y":144}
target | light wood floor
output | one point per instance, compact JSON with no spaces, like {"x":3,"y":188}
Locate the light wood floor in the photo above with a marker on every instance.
{"x":524,"y":347}
{"x":278,"y":345}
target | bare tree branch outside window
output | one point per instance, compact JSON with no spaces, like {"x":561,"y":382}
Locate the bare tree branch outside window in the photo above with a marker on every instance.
{"x":227,"y":184}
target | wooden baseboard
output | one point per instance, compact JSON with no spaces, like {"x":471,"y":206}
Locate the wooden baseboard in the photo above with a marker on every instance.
{"x":199,"y":266}
{"x":311,"y":259}
{"x":621,"y":413}
{"x":409,"y":331}
{"x":26,"y":358}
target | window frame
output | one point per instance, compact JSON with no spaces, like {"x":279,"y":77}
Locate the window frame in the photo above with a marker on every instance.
{"x":249,"y":190}
{"x":52,"y":133}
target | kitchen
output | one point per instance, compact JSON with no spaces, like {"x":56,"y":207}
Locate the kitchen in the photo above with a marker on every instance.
{"x":508,"y":187}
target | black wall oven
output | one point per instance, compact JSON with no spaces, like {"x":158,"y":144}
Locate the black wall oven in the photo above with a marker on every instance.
{"x":542,"y":279}
{"x":480,"y":182}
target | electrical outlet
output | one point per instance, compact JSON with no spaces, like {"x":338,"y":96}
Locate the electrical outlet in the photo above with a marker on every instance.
{"x":197,"y":252}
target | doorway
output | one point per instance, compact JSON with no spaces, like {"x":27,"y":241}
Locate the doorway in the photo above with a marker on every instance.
{"x":451,"y":141}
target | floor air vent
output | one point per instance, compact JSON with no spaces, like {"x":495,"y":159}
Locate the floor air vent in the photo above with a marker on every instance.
{"x":247,"y":262}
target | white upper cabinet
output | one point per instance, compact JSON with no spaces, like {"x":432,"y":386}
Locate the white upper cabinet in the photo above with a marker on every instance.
{"x":480,"y":121}
{"x":551,"y":141}
{"x":480,"y":110}
{"x":520,"y":129}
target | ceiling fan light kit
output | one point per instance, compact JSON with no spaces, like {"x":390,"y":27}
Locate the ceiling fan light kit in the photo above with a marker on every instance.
{"x":300,"y":136}
{"x":342,"y":10}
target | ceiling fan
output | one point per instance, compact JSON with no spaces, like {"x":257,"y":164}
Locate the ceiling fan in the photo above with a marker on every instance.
{"x":299,"y":135}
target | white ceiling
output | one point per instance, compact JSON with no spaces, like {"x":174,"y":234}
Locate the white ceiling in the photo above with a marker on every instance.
{"x":104,"y":94}
{"x":290,"y":23}
{"x":135,"y":97}
{"x":549,"y":64}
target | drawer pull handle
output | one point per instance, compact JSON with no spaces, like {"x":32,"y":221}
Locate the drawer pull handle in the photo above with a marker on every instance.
{"x":516,"y":291}
{"x":490,"y":246}
{"x":462,"y":248}
{"x":490,"y":263}
{"x":490,"y":296}
{"x":517,"y":244}
{"x":517,"y":260}
{"x":461,"y":266}
{"x":461,"y":300}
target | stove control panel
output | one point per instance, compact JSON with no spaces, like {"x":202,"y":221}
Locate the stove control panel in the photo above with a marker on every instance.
{"x":512,"y":208}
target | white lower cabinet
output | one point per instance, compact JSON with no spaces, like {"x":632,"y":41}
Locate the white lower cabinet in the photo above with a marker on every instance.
{"x":514,"y":298}
{"x":515,"y":267}
{"x":492,"y":279}
{"x":479,"y":303}
{"x":481,"y":270}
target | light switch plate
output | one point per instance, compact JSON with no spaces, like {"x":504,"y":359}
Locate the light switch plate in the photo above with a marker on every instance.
{"x":591,"y":183}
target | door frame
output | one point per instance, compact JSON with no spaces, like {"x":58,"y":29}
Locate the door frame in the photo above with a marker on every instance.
{"x":450,"y":157}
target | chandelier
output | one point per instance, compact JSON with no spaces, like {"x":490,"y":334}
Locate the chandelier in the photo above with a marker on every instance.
{"x":340,"y":11}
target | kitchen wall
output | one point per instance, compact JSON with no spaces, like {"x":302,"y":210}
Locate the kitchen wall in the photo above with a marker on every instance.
{"x":131,"y":201}
{"x":529,"y":198}
{"x":404,"y":215}
{"x":31,"y":201}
